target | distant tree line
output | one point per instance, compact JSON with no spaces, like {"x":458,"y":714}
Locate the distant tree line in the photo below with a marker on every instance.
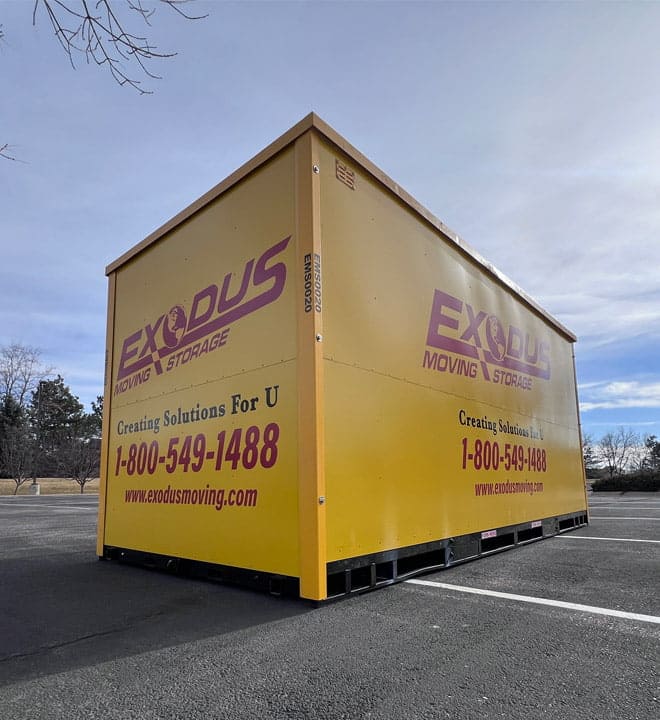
{"x":622,"y":460}
{"x":44,"y":429}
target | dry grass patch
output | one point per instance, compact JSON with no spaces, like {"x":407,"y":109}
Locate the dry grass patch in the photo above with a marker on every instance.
{"x":49,"y":486}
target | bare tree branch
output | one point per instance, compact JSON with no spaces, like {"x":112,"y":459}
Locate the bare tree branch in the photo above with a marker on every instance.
{"x":99,"y":33}
{"x":176,"y":5}
{"x":103,"y":37}
{"x":4,"y":152}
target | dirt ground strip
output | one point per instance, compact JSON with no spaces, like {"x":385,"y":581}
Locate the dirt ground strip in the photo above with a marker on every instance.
{"x":48,"y":486}
{"x":565,"y":627}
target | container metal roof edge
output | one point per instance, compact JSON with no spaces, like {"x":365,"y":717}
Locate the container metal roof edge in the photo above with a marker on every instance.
{"x":313,"y":121}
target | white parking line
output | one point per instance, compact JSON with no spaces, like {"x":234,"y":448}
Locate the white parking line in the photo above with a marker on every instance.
{"x":628,"y":507}
{"x":42,"y":505}
{"x":625,"y":502}
{"x":540,"y":601}
{"x":612,"y":517}
{"x":590,"y":537}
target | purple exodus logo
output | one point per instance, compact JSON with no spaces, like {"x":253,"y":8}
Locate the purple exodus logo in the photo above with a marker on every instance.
{"x":212,"y":310}
{"x":456,"y":327}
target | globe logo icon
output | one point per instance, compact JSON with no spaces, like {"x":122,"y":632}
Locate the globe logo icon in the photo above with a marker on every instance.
{"x":495,"y":337}
{"x":174,"y":326}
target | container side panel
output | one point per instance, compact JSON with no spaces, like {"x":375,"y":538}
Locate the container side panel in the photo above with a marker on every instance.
{"x":202,"y":432}
{"x":450,"y":406}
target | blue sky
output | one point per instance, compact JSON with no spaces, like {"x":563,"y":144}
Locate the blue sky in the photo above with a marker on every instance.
{"x":530,"y":129}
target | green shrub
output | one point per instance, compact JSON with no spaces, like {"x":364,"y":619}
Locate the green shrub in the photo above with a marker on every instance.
{"x":636,"y":482}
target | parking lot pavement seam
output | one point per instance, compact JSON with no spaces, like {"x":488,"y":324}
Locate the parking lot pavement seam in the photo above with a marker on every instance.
{"x":66,"y":643}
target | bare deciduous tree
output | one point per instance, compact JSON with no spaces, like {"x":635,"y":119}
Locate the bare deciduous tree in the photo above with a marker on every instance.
{"x":21,"y":370}
{"x":80,"y":461}
{"x":17,"y":454}
{"x":652,"y":453}
{"x":616,"y":450}
{"x":589,"y":455}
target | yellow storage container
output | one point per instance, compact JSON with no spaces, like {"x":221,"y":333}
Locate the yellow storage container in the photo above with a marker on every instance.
{"x":313,"y":385}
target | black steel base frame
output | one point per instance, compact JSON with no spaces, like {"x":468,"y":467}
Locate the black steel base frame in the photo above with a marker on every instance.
{"x":363,"y":573}
{"x":253,"y":579}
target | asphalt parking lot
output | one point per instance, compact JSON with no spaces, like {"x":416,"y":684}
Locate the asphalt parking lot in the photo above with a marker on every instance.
{"x":567,"y":627}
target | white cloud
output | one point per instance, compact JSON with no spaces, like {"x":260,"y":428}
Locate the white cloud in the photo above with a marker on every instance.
{"x":620,"y":395}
